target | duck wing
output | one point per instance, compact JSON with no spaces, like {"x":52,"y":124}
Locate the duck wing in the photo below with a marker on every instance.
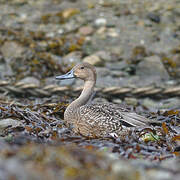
{"x":109,"y":113}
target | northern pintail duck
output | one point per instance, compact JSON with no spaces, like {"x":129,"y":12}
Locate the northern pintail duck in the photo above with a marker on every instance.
{"x":96,"y":119}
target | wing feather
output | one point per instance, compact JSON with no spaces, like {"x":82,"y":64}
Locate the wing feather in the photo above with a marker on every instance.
{"x":110,"y":113}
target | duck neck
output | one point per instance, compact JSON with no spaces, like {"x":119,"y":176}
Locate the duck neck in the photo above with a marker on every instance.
{"x":85,"y":94}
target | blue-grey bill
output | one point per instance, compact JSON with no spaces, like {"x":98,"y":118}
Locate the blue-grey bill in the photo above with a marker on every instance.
{"x":68,"y":75}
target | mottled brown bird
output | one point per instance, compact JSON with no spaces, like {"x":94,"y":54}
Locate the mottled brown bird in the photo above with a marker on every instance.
{"x":97,"y":119}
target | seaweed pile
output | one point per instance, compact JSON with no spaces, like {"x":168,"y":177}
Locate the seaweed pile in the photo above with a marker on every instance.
{"x":42,"y":123}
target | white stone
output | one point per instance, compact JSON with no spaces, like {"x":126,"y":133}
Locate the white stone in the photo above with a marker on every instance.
{"x":100,"y":22}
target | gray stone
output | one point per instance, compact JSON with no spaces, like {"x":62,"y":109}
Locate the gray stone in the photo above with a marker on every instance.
{"x":12,"y":49}
{"x":163,"y":104}
{"x":57,"y":59}
{"x":50,"y":80}
{"x":4,"y":123}
{"x":5,"y":68}
{"x":86,"y":30}
{"x":173,"y":164}
{"x":117,"y":74}
{"x":100,"y":100}
{"x":166,"y":44}
{"x":125,"y":170}
{"x":152,"y":67}
{"x":122,"y":65}
{"x":159,"y":175}
{"x":14,"y":166}
{"x":72,"y":58}
{"x":102,"y":72}
{"x":131,"y":101}
{"x":30,"y":79}
{"x":94,"y":60}
{"x":106,"y":56}
{"x":117,"y":101}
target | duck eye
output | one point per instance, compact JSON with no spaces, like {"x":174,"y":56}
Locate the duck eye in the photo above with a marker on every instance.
{"x":82,"y":67}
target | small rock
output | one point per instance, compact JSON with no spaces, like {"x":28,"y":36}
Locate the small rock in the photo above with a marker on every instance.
{"x":112,"y":32}
{"x":102,"y":72}
{"x":171,"y":103}
{"x":101,"y":31}
{"x":149,"y":103}
{"x":131,"y":101}
{"x":67,"y":13}
{"x":12,"y":49}
{"x":30,"y":80}
{"x":152,"y":67}
{"x":159,"y":174}
{"x":61,"y":31}
{"x":57,"y":59}
{"x":50,"y":80}
{"x":117,"y":50}
{"x":14,"y":166}
{"x":86,"y":30}
{"x":125,"y":170}
{"x":100,"y":22}
{"x":122,"y":65}
{"x":4,"y":123}
{"x":94,"y":60}
{"x":3,"y":144}
{"x":173,"y":163}
{"x":72,"y":58}
{"x":100,"y":100}
{"x":106,"y":56}
{"x":5,"y":68}
{"x":166,"y":43}
{"x":154,"y":17}
{"x":118,"y":74}
{"x":117,"y":101}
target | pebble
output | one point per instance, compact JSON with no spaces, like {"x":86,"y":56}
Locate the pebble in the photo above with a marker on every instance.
{"x":72,"y":58}
{"x":118,"y":74}
{"x":152,"y":67}
{"x":117,"y":101}
{"x":101,"y":31}
{"x":112,"y":32}
{"x":102,"y":72}
{"x":131,"y":101}
{"x":5,"y":68}
{"x":100,"y":100}
{"x":86,"y":30}
{"x":164,"y":104}
{"x":122,"y":65}
{"x":4,"y":123}
{"x":11,"y":49}
{"x":100,"y":22}
{"x":94,"y":60}
{"x":154,"y":17}
{"x":29,"y":80}
{"x":122,"y":169}
{"x":105,"y":55}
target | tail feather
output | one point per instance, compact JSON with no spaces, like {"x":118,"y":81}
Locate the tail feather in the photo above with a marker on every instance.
{"x":133,"y":119}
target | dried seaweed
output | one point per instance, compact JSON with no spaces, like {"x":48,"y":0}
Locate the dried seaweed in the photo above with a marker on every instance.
{"x":43,"y":123}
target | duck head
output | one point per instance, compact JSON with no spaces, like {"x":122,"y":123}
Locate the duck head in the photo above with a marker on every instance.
{"x":84,"y":71}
